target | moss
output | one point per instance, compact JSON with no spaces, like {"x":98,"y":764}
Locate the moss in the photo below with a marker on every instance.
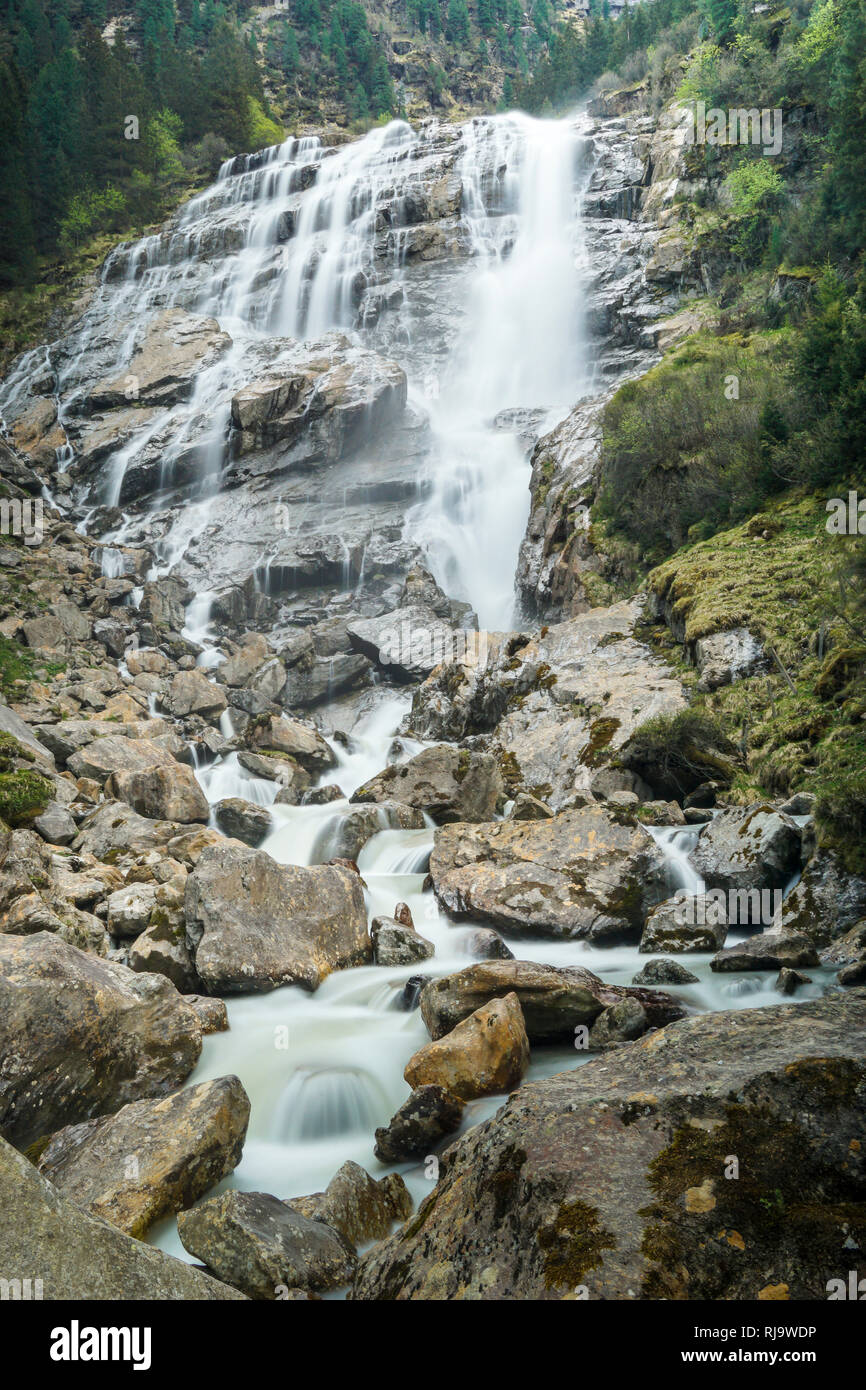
{"x":601,"y":731}
{"x":572,"y":1243}
{"x":11,"y":751}
{"x":23,"y":795}
{"x":16,"y":666}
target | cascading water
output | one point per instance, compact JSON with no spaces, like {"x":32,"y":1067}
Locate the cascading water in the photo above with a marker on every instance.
{"x":291,"y":244}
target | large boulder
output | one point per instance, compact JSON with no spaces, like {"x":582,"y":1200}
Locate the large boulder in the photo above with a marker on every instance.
{"x":83,"y":1036}
{"x":581,"y":874}
{"x":191,"y":692}
{"x":45,"y":1237}
{"x":614,"y":1180}
{"x":449,"y":783}
{"x":168,"y":792}
{"x":292,"y":738}
{"x":256,"y":1243}
{"x":255,"y":924}
{"x":748,"y":847}
{"x":406,"y":644}
{"x":554,"y":1000}
{"x":826,"y":902}
{"x":486,"y":1053}
{"x":154,"y":1157}
{"x":243,"y":820}
{"x":351,"y":829}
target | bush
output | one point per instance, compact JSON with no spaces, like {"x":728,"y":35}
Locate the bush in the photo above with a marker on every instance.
{"x":675,"y":753}
{"x":22,"y":796}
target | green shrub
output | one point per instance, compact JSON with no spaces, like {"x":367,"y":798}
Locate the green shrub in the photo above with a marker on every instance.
{"x":22,"y":796}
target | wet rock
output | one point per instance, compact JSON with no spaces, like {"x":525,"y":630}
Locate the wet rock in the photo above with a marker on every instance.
{"x":256,"y":924}
{"x":488,"y":1052}
{"x":84,"y":1036}
{"x":826,"y":902}
{"x":513,"y":1216}
{"x":450,"y":784}
{"x":554,"y":1000}
{"x":352,"y":829}
{"x":664,"y":972}
{"x":257,"y":1244}
{"x":582,"y":874}
{"x":771,"y":950}
{"x":752,"y":847}
{"x":251,"y":653}
{"x":486,"y":944}
{"x":174,"y":348}
{"x":49,"y":1238}
{"x":394,"y":944}
{"x":683,"y":924}
{"x":426,"y":1117}
{"x":301,"y":742}
{"x":154,"y":1157}
{"x":406,"y":644}
{"x":411,"y":992}
{"x":114,"y":829}
{"x":212,"y":1013}
{"x":789,"y":981}
{"x":359,"y":1207}
{"x":619,"y":1023}
{"x":163,"y":949}
{"x":243,"y":820}
{"x":528,"y":807}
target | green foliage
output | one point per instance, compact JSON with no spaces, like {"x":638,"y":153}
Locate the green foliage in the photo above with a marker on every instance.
{"x":94,"y":210}
{"x":756,"y":189}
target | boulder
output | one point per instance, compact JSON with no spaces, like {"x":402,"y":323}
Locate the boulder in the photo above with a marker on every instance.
{"x":191,"y":692}
{"x":826,"y":902}
{"x":426,"y":1117}
{"x":771,"y":950}
{"x":257,"y":1244}
{"x":83,"y":1036}
{"x":359,"y":1207}
{"x":554,"y":1000}
{"x":645,"y":1211}
{"x":116,"y":753}
{"x":55,"y":825}
{"x":154,"y":1157}
{"x":74,"y":1255}
{"x":487,"y":944}
{"x":350,"y":830}
{"x":173,"y":349}
{"x":664,"y":972}
{"x":168,"y":792}
{"x":407,"y":644}
{"x":619,"y":1023}
{"x":748,"y":847}
{"x":243,"y":820}
{"x":256,"y":924}
{"x":394,"y":944}
{"x":129,"y":908}
{"x":449,"y":783}
{"x":163,"y":949}
{"x":725,"y":657}
{"x":685,"y":924}
{"x":581,"y":874}
{"x":485,"y":1054}
{"x":302,"y":742}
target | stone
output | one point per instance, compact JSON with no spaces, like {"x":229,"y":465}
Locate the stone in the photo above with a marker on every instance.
{"x":55,"y":825}
{"x":302,"y":742}
{"x":750,"y":847}
{"x":581,"y":874}
{"x":664,"y":972}
{"x":425,"y":1117}
{"x":129,"y":909}
{"x":212,"y":1013}
{"x":190,"y":692}
{"x":619,"y":1023}
{"x":771,"y":950}
{"x":554,"y":1000}
{"x":515,"y":1215}
{"x":485,"y":1054}
{"x":83,"y":1036}
{"x":257,"y":1244}
{"x":243,"y":820}
{"x":685,"y":924}
{"x":725,"y":657}
{"x":48,"y":1238}
{"x":173,"y":349}
{"x":789,"y":981}
{"x":448,"y":783}
{"x":167,"y":792}
{"x":825,"y":903}
{"x":359,"y":1207}
{"x":163,"y":949}
{"x":407,"y":644}
{"x":487,"y":944}
{"x":181,"y":1145}
{"x":351,"y":829}
{"x":256,"y":924}
{"x":394,"y":944}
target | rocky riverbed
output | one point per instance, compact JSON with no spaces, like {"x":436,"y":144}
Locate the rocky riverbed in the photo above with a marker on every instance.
{"x":319,"y":841}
